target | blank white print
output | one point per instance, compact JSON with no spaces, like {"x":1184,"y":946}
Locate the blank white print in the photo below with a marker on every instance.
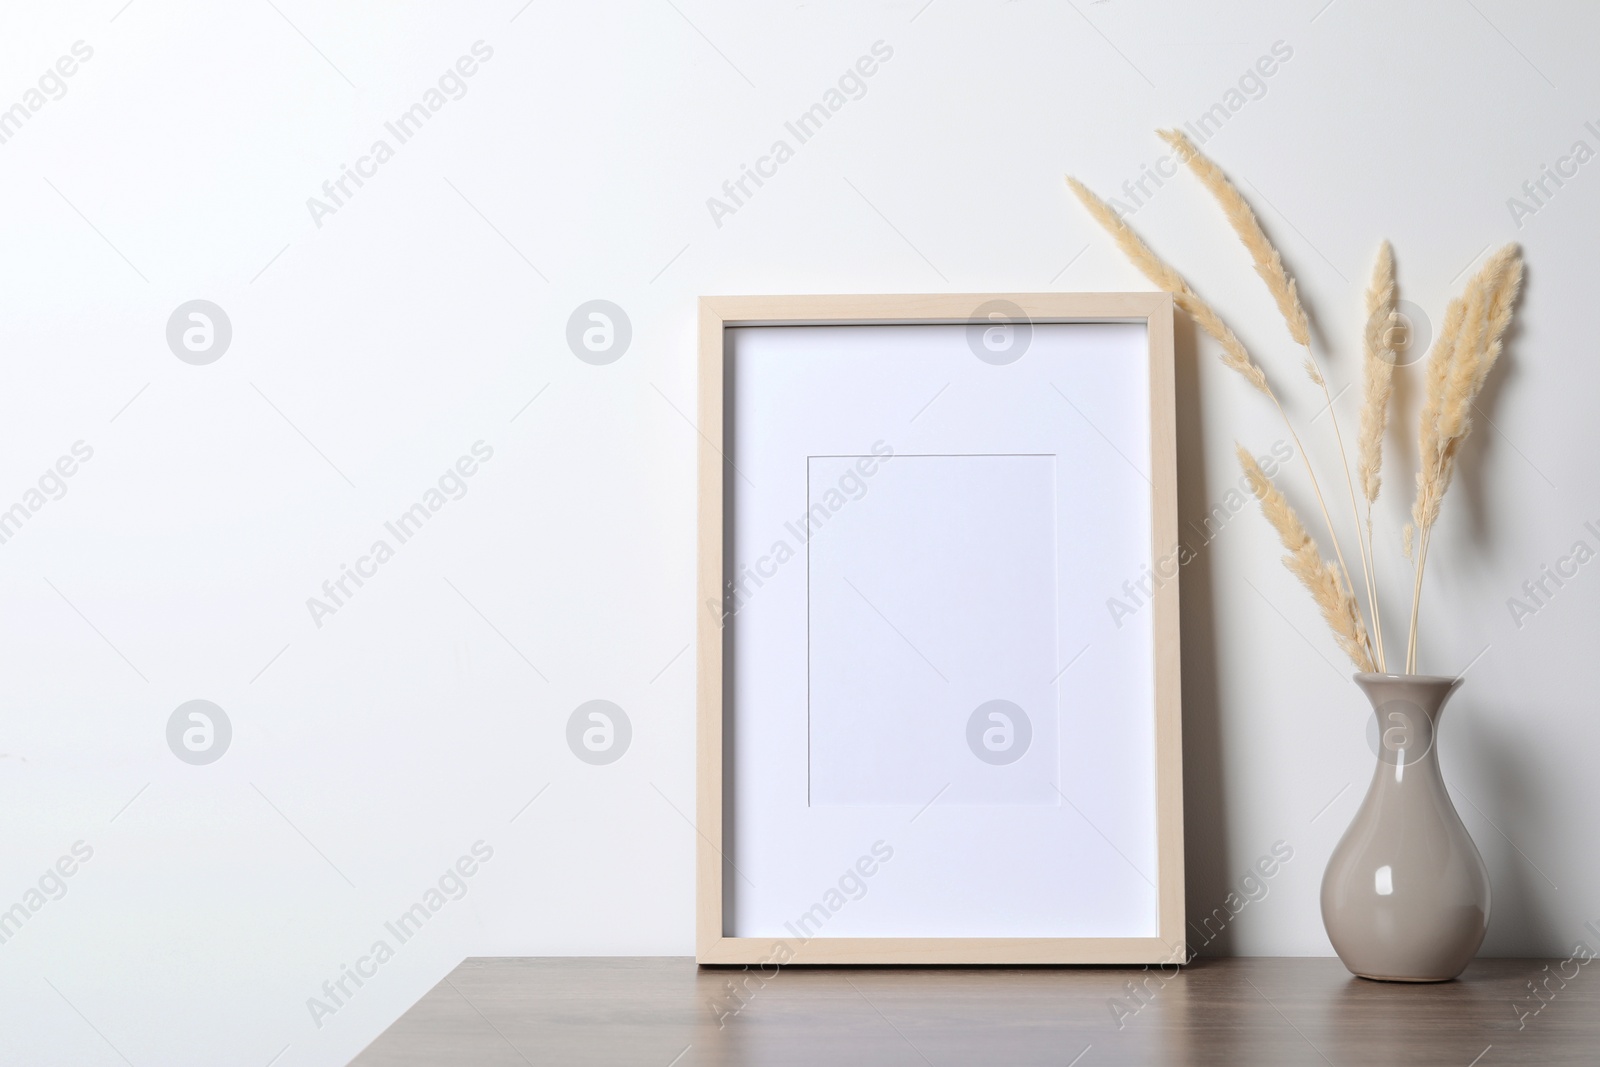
{"x":932,"y":608}
{"x":990,"y":866}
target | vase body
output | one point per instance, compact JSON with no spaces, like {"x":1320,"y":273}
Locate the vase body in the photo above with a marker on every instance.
{"x":1406,"y":895}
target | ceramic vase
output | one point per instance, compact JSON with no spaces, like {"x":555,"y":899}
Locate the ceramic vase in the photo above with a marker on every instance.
{"x":1405,"y":897}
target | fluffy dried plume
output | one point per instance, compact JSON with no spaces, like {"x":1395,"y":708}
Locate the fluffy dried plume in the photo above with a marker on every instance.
{"x":1243,"y":220}
{"x":1501,"y":280}
{"x":1164,"y":277}
{"x":1468,"y":346}
{"x":1378,"y":364}
{"x":1320,"y":577}
{"x":1429,"y":448}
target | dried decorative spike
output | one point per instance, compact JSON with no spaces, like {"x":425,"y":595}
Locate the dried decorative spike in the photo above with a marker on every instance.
{"x":1378,"y":365}
{"x":1164,"y":277}
{"x":1243,"y":220}
{"x":1320,"y":577}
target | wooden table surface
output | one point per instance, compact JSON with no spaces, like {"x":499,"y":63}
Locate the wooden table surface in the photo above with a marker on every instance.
{"x":666,"y":1012}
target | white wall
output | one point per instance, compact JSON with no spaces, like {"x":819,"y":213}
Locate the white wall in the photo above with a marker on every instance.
{"x":372,"y":351}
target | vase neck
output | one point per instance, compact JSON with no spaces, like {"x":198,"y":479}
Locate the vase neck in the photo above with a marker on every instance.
{"x":1407,"y":709}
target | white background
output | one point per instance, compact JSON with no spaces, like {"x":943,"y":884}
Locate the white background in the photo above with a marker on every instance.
{"x":374,"y":751}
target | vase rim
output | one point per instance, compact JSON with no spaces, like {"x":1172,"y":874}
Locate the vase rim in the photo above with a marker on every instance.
{"x":1380,"y":676}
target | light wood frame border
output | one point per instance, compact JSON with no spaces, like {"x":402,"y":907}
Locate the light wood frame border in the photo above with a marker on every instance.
{"x":717,"y":313}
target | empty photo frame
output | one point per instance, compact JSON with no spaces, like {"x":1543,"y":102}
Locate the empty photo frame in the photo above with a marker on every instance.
{"x":938,"y":631}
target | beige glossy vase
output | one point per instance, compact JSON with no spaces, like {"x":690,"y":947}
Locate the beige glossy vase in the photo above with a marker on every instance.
{"x":1405,"y":897}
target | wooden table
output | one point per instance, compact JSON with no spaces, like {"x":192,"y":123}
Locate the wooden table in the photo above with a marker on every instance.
{"x":656,"y":1012}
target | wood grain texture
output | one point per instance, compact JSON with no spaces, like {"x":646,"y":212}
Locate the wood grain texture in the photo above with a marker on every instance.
{"x":1231,"y":1013}
{"x":717,"y":313}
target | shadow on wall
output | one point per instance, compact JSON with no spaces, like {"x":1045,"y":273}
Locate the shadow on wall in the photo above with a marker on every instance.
{"x":1205,"y":834}
{"x":1485,"y":748}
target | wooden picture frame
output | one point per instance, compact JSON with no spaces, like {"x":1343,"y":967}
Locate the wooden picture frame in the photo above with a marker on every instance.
{"x":718,"y":315}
